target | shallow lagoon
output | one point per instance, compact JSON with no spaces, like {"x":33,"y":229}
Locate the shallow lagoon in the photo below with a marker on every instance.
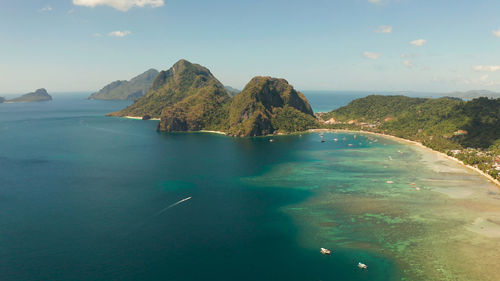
{"x":80,"y":196}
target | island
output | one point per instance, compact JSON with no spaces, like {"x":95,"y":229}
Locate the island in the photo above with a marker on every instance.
{"x":37,"y":96}
{"x":187,"y":97}
{"x":2,"y":99}
{"x":127,"y":90}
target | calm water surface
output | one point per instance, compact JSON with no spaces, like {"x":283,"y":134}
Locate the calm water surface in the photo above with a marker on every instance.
{"x":85,"y":197}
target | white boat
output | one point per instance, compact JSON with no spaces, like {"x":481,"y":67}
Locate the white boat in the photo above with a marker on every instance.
{"x":362,"y":265}
{"x":325,"y":251}
{"x":335,"y":139}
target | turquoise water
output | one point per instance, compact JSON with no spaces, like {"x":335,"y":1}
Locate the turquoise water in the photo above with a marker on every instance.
{"x":85,"y":197}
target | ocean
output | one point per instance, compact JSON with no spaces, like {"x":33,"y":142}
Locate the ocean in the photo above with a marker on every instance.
{"x":87,"y":197}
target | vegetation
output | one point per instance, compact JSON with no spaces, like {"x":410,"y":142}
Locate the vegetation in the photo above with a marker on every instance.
{"x":263,"y":108}
{"x":37,"y":96}
{"x":470,"y":130}
{"x":127,"y":90}
{"x":187,"y":97}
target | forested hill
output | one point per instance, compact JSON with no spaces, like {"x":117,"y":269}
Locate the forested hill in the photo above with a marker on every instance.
{"x":442,"y":124}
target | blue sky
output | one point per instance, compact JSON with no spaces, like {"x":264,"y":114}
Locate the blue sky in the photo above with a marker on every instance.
{"x":379,"y":45}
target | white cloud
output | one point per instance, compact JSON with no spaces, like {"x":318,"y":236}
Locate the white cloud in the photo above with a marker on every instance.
{"x":488,"y":68}
{"x":372,"y":55}
{"x":496,"y":32}
{"x":418,"y":42}
{"x":121,"y":5}
{"x":47,"y":8}
{"x":407,"y":63}
{"x":384,"y":29}
{"x":97,"y":35}
{"x":119,"y":33}
{"x":483,"y":80}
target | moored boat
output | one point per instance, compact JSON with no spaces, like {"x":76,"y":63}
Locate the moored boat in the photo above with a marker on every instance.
{"x":325,"y":251}
{"x":362,"y":265}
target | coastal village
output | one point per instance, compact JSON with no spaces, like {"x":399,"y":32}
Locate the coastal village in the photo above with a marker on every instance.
{"x":485,"y":160}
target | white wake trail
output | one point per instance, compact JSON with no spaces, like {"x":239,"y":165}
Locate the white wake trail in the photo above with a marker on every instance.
{"x":173,"y":205}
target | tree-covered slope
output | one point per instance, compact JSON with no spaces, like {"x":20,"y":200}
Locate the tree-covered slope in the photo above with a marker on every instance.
{"x":268,"y":105}
{"x":443,"y":123}
{"x":37,"y":96}
{"x":127,"y":90}
{"x":187,"y":97}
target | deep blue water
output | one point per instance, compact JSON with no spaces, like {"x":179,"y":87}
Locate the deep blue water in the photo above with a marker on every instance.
{"x":84,"y":197}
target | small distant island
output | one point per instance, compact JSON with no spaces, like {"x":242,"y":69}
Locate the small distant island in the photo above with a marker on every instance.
{"x":36,"y":96}
{"x":127,"y":90}
{"x":2,"y":99}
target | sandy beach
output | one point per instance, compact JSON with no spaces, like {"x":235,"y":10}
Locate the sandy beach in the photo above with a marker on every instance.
{"x":140,"y":118}
{"x":213,"y":132}
{"x":490,"y":178}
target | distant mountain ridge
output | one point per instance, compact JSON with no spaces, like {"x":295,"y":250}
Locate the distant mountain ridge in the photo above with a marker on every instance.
{"x":232,"y":91}
{"x":474,"y":94}
{"x":36,"y":96}
{"x":127,"y":90}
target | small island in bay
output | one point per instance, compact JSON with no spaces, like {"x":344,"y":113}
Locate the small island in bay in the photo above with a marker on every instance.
{"x":36,"y":96}
{"x":2,"y":99}
{"x":127,"y":90}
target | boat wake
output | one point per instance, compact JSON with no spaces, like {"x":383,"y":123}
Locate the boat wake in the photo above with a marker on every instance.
{"x":173,"y":205}
{"x":139,"y":226}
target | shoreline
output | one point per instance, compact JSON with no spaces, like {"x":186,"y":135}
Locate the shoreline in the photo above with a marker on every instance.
{"x":490,"y":178}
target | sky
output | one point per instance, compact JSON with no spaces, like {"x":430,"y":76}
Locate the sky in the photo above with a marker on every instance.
{"x":356,"y":45}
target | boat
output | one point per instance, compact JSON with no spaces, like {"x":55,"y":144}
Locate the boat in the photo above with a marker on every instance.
{"x":325,"y":251}
{"x":362,"y":265}
{"x":335,"y":139}
{"x":271,"y":140}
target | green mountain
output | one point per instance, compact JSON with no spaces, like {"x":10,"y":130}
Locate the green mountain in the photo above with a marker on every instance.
{"x":442,"y":124}
{"x":127,"y":90}
{"x":38,"y":95}
{"x":192,"y":99}
{"x":182,"y":89}
{"x":187,"y":97}
{"x":268,"y":105}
